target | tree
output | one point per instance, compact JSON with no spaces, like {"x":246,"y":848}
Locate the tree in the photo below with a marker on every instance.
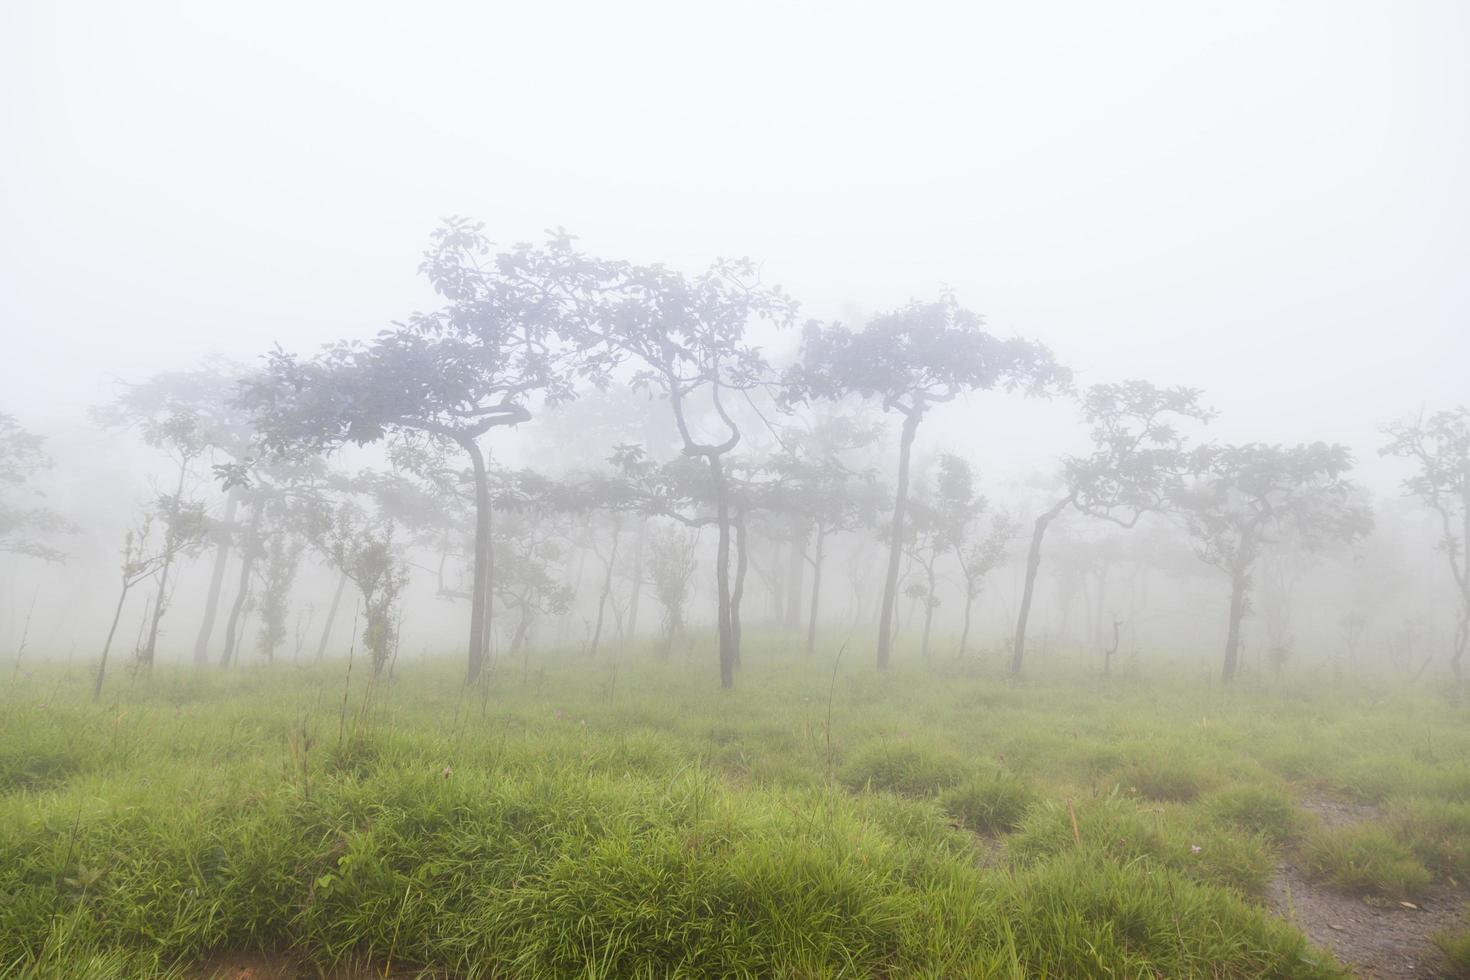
{"x":1440,"y":447}
{"x":912,"y":359}
{"x":937,"y":527}
{"x":671,"y":563}
{"x":185,"y":528}
{"x":24,"y":529}
{"x":1241,"y":498}
{"x":687,"y":338}
{"x":1135,"y":467}
{"x":506,"y":334}
{"x":978,"y":558}
{"x":817,"y":489}
{"x":205,"y":394}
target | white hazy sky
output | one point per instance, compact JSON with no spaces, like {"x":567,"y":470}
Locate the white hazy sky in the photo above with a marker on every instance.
{"x":1266,"y":200}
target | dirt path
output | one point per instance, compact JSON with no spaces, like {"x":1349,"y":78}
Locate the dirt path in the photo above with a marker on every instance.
{"x":1378,"y":939}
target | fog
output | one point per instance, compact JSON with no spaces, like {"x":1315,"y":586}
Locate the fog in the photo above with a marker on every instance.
{"x":1265,"y":203}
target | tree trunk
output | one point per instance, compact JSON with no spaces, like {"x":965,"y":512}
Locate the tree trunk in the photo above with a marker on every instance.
{"x":728,"y":653}
{"x":1028,"y":590}
{"x":168,"y":562}
{"x":321,"y":648}
{"x":1238,"y":589}
{"x":895,"y":548}
{"x":969,"y":603}
{"x":247,"y":563}
{"x":811,"y":627}
{"x":112,"y":631}
{"x":216,"y":579}
{"x":742,"y":562}
{"x":480,"y":590}
{"x":607,"y":582}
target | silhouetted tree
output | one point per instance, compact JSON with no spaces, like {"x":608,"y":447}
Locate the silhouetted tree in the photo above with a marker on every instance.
{"x":1241,"y":497}
{"x":1440,"y":447}
{"x":912,"y":359}
{"x":23,"y":528}
{"x":1135,"y":467}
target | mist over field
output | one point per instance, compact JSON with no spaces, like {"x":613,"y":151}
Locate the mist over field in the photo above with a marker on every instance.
{"x":1024,"y":450}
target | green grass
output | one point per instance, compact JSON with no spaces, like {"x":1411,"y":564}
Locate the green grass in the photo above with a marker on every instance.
{"x":569,"y":826}
{"x":1365,"y":858}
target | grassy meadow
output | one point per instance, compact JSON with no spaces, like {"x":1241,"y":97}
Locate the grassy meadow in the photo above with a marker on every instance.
{"x":625,"y":818}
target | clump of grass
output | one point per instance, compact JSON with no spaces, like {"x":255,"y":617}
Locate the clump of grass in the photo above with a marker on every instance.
{"x":1164,"y":779}
{"x":1366,"y":859}
{"x":990,"y":804}
{"x":1115,"y":829}
{"x":1082,"y":916}
{"x":1258,"y":809}
{"x":1437,"y":832}
{"x":903,"y":768}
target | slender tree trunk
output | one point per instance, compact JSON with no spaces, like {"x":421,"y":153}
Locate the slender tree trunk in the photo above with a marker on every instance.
{"x":480,"y":589}
{"x":607,"y":583}
{"x":248,"y":555}
{"x":321,"y":648}
{"x":742,"y":562}
{"x":895,"y":548}
{"x":969,"y":603}
{"x":1028,"y":590}
{"x":728,"y":654}
{"x":777,"y":584}
{"x":795,"y":572}
{"x":168,"y":564}
{"x":216,"y":578}
{"x":1238,"y":588}
{"x":811,"y":626}
{"x":111,"y":632}
{"x":637,"y":589}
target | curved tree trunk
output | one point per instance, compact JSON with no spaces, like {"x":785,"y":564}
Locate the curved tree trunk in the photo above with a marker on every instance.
{"x":216,"y":579}
{"x":928,"y":610}
{"x":811,"y":627}
{"x":1033,"y":563}
{"x":169,"y":542}
{"x":895,"y":548}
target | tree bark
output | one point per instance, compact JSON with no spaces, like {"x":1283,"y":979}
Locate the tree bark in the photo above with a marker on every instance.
{"x":216,"y":579}
{"x":911,"y":420}
{"x":321,"y":648}
{"x":248,"y":555}
{"x":480,"y":589}
{"x":1033,"y":563}
{"x":969,"y":603}
{"x":811,"y":627}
